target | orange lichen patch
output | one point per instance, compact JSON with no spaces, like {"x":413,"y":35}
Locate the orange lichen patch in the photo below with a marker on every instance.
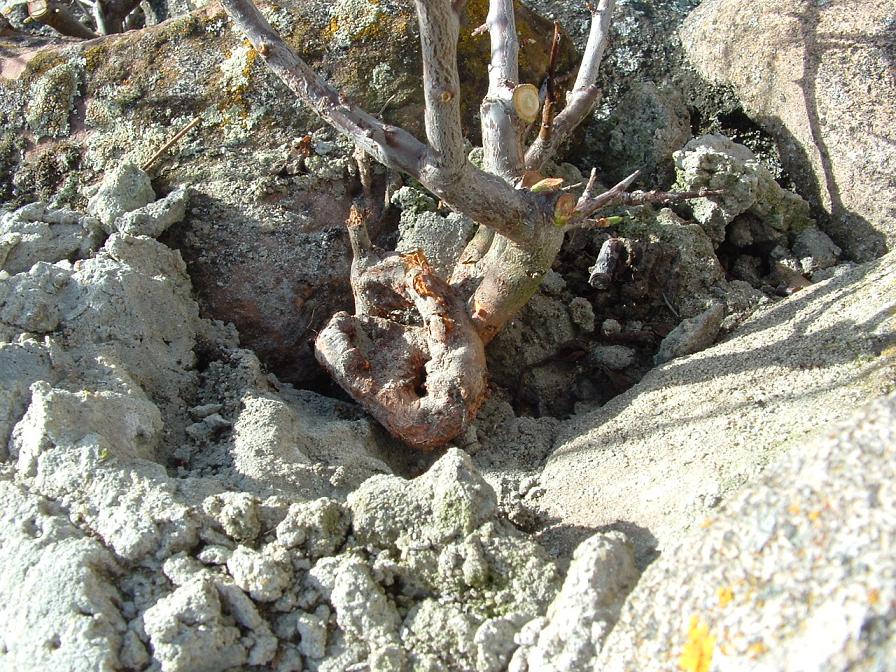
{"x":725,"y":595}
{"x":696,"y":656}
{"x":357,"y":216}
{"x":794,"y":509}
{"x":874,"y":597}
{"x":757,"y":649}
{"x":706,"y":523}
{"x":422,"y":287}
{"x":814,"y":515}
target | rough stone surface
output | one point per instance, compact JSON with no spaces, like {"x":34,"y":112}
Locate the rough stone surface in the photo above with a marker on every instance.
{"x":124,"y":189}
{"x":647,"y":125}
{"x":818,"y":77}
{"x":35,"y":233}
{"x":655,"y":459}
{"x":793,"y":573}
{"x":692,"y":335}
{"x":600,"y":577}
{"x":715,"y":162}
{"x":58,"y":607}
{"x":188,"y":625}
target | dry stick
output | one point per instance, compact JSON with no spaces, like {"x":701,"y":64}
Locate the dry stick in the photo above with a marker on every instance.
{"x":666,"y":197}
{"x":168,"y":145}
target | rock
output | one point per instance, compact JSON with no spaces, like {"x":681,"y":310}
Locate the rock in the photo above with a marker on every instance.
{"x":131,"y":505}
{"x":187,"y":625}
{"x":58,"y":600}
{"x":364,"y":612}
{"x":32,"y":234}
{"x":128,"y":425}
{"x":600,"y":577}
{"x":312,"y":636}
{"x":715,"y":162}
{"x":153,"y":219}
{"x":123,"y":190}
{"x":827,"y":108}
{"x":691,"y":335}
{"x":29,"y":302}
{"x":442,"y":239}
{"x":811,"y":587}
{"x":52,"y":101}
{"x":533,"y":337}
{"x":494,"y":644}
{"x":682,"y":255}
{"x":815,"y":250}
{"x":112,"y":306}
{"x":318,"y":527}
{"x":22,"y":363}
{"x":449,"y":501}
{"x":263,"y":574}
{"x":609,"y":327}
{"x":237,"y":513}
{"x":708,"y":423}
{"x":647,"y":124}
{"x":582,"y":314}
{"x":613,"y":357}
{"x":440,"y":637}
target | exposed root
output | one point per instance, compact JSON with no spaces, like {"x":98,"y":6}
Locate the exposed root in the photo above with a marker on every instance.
{"x":424,"y":382}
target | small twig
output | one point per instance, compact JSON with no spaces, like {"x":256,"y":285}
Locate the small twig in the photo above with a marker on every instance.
{"x":386,"y":104}
{"x":481,"y":30}
{"x":547,"y":112}
{"x":644,"y":197}
{"x":168,"y":145}
{"x":669,"y":306}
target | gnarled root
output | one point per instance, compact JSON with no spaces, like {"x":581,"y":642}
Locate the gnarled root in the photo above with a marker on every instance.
{"x":423,"y":382}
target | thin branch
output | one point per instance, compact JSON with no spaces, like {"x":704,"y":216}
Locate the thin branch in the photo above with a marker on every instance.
{"x":59,"y":17}
{"x":667,"y":197}
{"x":550,"y":99}
{"x":439,"y":22}
{"x":590,"y":202}
{"x":501,"y":133}
{"x":168,"y":145}
{"x":391,"y":146}
{"x":444,"y":170}
{"x":584,"y":95}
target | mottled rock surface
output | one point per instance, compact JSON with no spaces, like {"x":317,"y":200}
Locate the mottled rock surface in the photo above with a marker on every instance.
{"x":654,"y":460}
{"x":793,"y":573}
{"x":818,"y":77}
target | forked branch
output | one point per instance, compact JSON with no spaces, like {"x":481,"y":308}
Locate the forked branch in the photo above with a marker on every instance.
{"x":584,"y":95}
{"x":440,"y":166}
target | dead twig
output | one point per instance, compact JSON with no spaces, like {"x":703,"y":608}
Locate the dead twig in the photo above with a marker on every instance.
{"x":168,"y":145}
